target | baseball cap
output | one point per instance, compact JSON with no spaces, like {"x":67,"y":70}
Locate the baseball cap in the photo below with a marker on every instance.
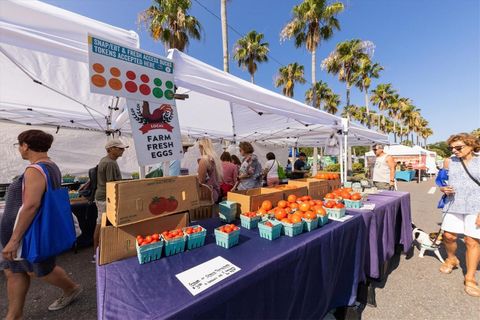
{"x":115,"y":143}
{"x":302,"y":154}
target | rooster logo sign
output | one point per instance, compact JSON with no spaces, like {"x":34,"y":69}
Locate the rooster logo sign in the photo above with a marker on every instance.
{"x":160,"y":118}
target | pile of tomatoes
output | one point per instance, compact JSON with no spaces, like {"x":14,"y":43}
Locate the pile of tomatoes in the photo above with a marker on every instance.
{"x":148,"y":239}
{"x":294,"y":209}
{"x":190,"y":230}
{"x":343,"y":193}
{"x":250,"y":214}
{"x":172,"y":234}
{"x":328,"y":176}
{"x":228,"y":228}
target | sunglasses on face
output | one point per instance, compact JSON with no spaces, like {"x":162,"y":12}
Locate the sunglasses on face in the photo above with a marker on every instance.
{"x":458,"y":148}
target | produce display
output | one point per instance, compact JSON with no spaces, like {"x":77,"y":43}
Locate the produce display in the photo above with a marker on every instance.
{"x":227,"y":235}
{"x":327,"y":176}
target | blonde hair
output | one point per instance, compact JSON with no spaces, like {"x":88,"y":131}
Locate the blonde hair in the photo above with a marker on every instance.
{"x":467,"y":138}
{"x":208,"y":152}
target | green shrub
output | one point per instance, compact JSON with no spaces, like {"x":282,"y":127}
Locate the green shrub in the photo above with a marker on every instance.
{"x":332,"y":167}
{"x":357,"y":167}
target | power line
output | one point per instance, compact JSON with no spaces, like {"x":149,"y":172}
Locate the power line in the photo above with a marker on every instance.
{"x":235,"y":30}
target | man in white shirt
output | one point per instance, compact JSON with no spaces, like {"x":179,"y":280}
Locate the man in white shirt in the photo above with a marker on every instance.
{"x":383,"y":170}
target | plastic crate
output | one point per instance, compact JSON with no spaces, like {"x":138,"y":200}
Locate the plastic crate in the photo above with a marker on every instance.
{"x":228,"y":211}
{"x":227,"y":240}
{"x":174,"y":246}
{"x":249,"y":223}
{"x":310,"y":225}
{"x":197,"y":239}
{"x":322,"y":220}
{"x":149,"y":252}
{"x":353,"y":204}
{"x":200,"y":213}
{"x":292,"y":229}
{"x":336,"y":213}
{"x":270,"y":233}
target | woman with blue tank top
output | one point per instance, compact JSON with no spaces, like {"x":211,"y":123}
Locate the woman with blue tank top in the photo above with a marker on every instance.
{"x":462,"y":207}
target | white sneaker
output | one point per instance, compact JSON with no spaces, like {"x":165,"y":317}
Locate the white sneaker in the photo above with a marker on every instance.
{"x":94,"y":259}
{"x":64,"y":301}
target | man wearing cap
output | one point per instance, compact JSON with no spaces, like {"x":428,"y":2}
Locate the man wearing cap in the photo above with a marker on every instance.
{"x":383,"y":170}
{"x":107,"y":171}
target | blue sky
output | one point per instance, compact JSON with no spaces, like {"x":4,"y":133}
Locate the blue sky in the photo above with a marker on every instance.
{"x":430,"y":49}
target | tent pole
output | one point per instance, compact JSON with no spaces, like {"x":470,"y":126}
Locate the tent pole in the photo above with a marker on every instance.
{"x":315,"y":161}
{"x":341,"y":161}
{"x":166,"y":168}
{"x":142,"y":172}
{"x":234,"y":131}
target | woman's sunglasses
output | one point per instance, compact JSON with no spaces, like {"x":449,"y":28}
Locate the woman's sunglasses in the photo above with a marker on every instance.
{"x":458,"y":148}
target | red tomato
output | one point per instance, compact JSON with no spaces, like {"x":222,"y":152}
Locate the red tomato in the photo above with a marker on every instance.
{"x":280,"y":214}
{"x":339,"y":205}
{"x":356,"y":196}
{"x":171,"y":204}
{"x":268,"y":224}
{"x":156,"y":207}
{"x":329,"y":196}
{"x":345,"y":195}
{"x":330,"y":204}
{"x":155,"y":236}
{"x":227,"y":229}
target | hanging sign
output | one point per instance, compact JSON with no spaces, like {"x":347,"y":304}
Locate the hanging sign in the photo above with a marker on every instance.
{"x":155,"y":131}
{"x":121,"y":71}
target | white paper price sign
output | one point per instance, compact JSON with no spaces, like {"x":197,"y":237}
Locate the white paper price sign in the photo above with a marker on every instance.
{"x":207,"y":274}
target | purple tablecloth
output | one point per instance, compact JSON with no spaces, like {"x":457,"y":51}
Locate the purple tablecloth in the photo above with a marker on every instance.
{"x":300,"y":277}
{"x":388,"y":224}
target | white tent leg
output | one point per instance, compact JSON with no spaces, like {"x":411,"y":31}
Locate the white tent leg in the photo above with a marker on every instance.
{"x":341,"y":161}
{"x":142,"y":172}
{"x":166,"y":168}
{"x":315,"y":161}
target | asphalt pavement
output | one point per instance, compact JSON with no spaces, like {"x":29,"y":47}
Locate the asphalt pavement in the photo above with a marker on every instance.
{"x":414,"y":289}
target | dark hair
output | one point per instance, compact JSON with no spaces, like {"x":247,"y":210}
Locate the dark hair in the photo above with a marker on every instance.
{"x":270,"y":156}
{"x":246,"y":147}
{"x":226,"y":156}
{"x":37,"y":140}
{"x":236,"y":160}
{"x":302,"y":154}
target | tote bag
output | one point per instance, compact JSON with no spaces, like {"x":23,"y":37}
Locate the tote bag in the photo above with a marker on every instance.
{"x":52,"y":230}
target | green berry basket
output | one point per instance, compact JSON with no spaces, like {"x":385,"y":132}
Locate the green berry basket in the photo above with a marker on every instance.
{"x":149,"y":252}
{"x":270,"y":233}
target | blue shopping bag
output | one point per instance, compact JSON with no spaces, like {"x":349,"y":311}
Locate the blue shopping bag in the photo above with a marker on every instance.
{"x":52,"y":230}
{"x":442,"y":181}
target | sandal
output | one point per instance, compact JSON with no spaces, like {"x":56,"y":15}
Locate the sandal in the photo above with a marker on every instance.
{"x":449,"y":264}
{"x":471,"y":288}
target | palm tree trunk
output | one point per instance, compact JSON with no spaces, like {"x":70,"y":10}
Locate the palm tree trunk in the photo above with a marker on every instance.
{"x":417,"y":139}
{"x":252,"y":79}
{"x":348,"y":100}
{"x":224,"y":34}
{"x":368,"y":110}
{"x":394,"y":131}
{"x":314,"y":71}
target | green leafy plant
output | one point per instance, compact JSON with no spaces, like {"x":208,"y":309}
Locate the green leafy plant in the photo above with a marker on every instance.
{"x":333,"y":167}
{"x":135,"y":175}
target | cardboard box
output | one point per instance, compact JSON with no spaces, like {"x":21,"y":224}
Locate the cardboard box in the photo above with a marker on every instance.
{"x":334,"y":184}
{"x":117,"y":243}
{"x":317,"y":188}
{"x":251,"y":200}
{"x":298,"y":191}
{"x":131,"y":201}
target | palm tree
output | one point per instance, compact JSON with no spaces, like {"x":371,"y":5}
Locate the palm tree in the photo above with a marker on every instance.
{"x":223,"y":13}
{"x":249,"y":50}
{"x":366,"y":72}
{"x":312,"y":22}
{"x":344,"y":61}
{"x":425,"y":133}
{"x":320,"y":92}
{"x":168,"y":22}
{"x":356,"y":113}
{"x":382,"y":97}
{"x":412,"y":119}
{"x":287,"y":76}
{"x":332,"y":103}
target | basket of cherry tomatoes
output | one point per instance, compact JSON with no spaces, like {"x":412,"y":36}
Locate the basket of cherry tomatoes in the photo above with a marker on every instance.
{"x":250,"y":220}
{"x":195,"y":236}
{"x":149,"y":248}
{"x":270,"y":229}
{"x":174,"y":241}
{"x":227,"y":235}
{"x":334,"y":209}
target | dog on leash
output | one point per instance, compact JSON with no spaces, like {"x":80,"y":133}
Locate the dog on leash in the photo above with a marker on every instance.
{"x":425,"y":241}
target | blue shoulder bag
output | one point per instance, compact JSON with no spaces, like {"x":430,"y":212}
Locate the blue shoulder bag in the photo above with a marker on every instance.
{"x":441,"y":181}
{"x":52,"y":230}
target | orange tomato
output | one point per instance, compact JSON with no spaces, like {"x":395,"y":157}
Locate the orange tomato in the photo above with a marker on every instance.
{"x":322,"y":176}
{"x":286,"y":220}
{"x":330,"y":196}
{"x":292,"y":198}
{"x":311,"y":203}
{"x":330,"y":204}
{"x":293,"y":205}
{"x":321,"y":212}
{"x":304,"y":207}
{"x":345,"y":195}
{"x":339,"y":205}
{"x":282,"y":204}
{"x":267,"y":205}
{"x":280,"y":214}
{"x":261,"y":211}
{"x":288,"y":210}
{"x":296,"y":218}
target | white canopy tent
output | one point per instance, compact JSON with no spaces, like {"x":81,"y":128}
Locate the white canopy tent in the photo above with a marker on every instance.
{"x":431,"y":161}
{"x":45,"y":81}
